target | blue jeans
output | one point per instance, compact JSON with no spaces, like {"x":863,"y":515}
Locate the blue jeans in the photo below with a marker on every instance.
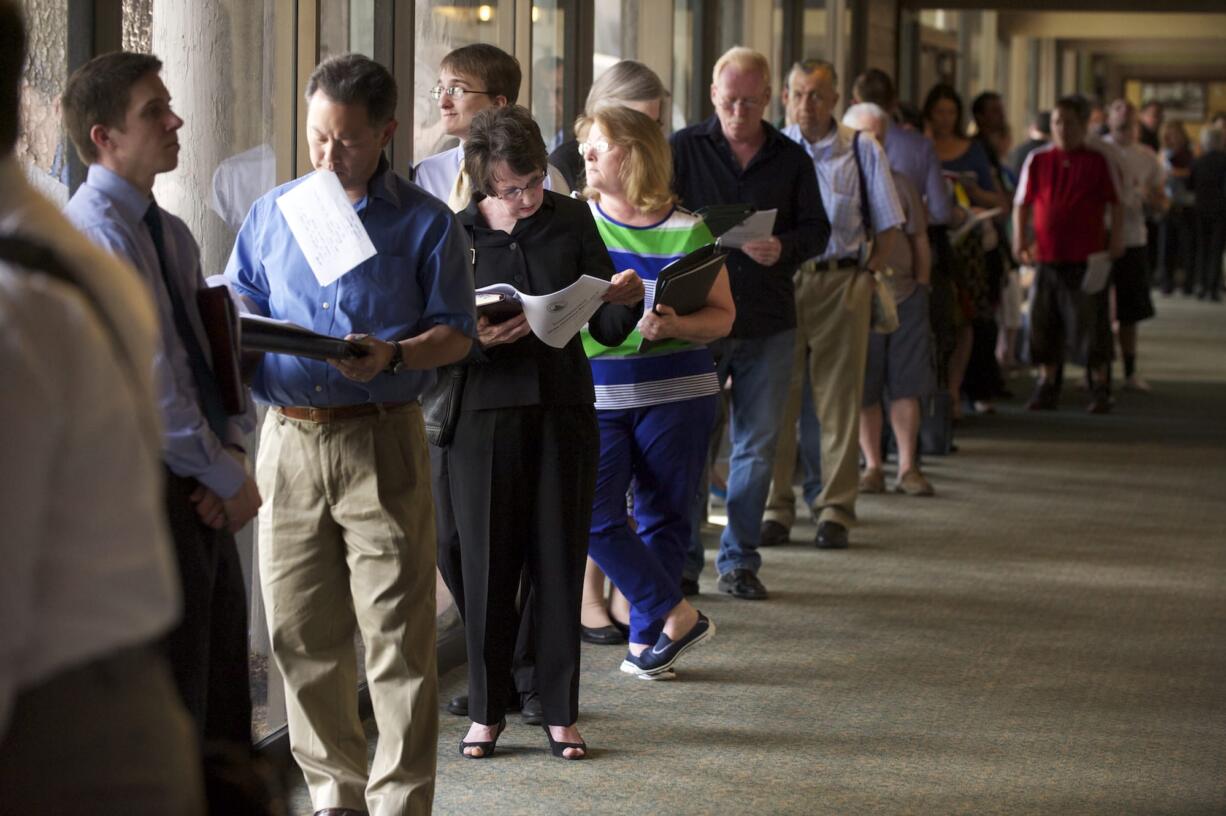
{"x":760,"y":368}
{"x":810,"y":430}
{"x":663,"y":448}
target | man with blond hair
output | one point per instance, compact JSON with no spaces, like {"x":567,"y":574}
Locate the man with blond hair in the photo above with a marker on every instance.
{"x":735,"y":157}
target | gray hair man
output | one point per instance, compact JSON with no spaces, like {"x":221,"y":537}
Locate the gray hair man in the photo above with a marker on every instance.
{"x":833,"y":305}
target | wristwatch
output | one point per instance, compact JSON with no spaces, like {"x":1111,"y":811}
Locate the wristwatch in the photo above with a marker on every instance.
{"x":396,"y":364}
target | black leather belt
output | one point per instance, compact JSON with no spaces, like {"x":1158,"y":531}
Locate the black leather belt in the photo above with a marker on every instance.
{"x":850,"y":262}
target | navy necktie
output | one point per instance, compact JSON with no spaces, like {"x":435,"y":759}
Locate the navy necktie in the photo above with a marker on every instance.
{"x":209,"y":394}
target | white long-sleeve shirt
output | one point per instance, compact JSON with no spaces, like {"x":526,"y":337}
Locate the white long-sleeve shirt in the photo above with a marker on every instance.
{"x":88,"y":567}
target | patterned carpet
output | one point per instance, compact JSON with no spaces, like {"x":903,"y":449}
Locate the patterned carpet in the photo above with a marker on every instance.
{"x":1046,"y":635}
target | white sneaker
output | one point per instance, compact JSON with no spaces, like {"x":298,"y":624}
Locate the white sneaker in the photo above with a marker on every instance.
{"x":1136,"y":383}
{"x":629,"y":668}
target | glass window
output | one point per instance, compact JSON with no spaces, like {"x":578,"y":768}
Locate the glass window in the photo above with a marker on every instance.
{"x":441,"y":27}
{"x":616,"y":34}
{"x":548,"y":70}
{"x":347,"y":27}
{"x":816,"y":30}
{"x":688,"y":90}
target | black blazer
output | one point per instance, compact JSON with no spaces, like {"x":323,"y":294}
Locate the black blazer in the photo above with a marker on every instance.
{"x":544,"y":253}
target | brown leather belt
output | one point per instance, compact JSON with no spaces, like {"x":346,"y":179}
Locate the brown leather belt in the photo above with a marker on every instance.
{"x":339,"y":412}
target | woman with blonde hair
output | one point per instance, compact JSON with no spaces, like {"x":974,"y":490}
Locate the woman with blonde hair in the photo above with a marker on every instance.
{"x":627,"y":84}
{"x":655,"y":409}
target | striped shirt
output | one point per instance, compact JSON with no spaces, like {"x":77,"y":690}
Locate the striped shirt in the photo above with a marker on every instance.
{"x":672,"y":371}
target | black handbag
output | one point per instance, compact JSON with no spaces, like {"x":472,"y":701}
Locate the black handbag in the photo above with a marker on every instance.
{"x":441,"y":404}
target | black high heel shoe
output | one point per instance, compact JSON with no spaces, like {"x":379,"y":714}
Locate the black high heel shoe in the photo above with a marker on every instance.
{"x":487,"y":748}
{"x":558,"y":748}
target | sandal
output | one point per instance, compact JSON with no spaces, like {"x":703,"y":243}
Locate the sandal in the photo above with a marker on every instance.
{"x":487,"y":747}
{"x":559,"y":748}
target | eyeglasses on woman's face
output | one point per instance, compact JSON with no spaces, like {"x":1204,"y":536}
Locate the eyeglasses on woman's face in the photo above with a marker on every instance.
{"x":516,"y":193}
{"x":599,"y":145}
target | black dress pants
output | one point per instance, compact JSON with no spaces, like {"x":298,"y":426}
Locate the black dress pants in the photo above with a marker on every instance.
{"x":450,"y":566}
{"x":521,"y":482}
{"x":208,"y":649}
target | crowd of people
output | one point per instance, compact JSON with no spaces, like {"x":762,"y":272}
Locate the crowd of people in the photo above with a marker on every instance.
{"x":890,"y":287}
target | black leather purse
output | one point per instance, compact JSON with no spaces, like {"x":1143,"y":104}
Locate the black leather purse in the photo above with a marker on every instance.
{"x":441,"y":404}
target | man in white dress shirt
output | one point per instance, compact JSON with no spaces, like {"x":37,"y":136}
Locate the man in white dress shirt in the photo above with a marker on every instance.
{"x":90,"y":721}
{"x":833,"y":307}
{"x":470,"y":79}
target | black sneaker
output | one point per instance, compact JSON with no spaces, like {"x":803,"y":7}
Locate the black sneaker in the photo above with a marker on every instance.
{"x":660,"y":658}
{"x":743,"y":584}
{"x":773,"y":534}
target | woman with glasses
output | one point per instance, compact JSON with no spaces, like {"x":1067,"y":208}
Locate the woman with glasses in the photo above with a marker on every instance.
{"x":655,"y":409}
{"x":521,"y":468}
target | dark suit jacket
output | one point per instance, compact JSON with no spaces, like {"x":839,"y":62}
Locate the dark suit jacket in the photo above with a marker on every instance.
{"x":544,"y":253}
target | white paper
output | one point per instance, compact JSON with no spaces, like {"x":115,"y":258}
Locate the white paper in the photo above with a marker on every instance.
{"x":974,"y":219}
{"x":760,"y":224}
{"x":326,"y":226}
{"x":556,"y":318}
{"x":1098,"y":270}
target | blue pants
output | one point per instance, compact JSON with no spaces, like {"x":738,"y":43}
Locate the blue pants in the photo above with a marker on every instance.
{"x":760,"y":368}
{"x":663,"y":449}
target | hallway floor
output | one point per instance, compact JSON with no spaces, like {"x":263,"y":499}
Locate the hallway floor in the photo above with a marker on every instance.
{"x":1046,"y":635}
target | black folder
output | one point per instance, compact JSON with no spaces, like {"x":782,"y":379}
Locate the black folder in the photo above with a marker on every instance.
{"x":220,"y":320}
{"x":282,"y":337}
{"x":720,"y":218}
{"x":686,"y":283}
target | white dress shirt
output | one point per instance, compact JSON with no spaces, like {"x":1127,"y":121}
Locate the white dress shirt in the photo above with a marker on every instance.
{"x":87,"y":562}
{"x":839,"y":182}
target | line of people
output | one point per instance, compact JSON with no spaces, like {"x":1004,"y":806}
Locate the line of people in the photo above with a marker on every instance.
{"x":560,"y":466}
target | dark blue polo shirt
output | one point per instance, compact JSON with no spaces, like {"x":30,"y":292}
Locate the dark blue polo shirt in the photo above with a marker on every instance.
{"x":780,"y":176}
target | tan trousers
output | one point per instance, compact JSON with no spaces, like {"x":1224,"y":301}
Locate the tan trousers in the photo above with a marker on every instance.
{"x":347,"y":544}
{"x":833,"y":311}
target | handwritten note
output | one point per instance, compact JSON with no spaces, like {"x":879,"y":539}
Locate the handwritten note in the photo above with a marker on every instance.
{"x":326,"y":226}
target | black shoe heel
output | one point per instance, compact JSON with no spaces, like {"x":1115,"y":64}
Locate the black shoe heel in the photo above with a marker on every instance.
{"x":558,"y":748}
{"x":488,"y":747}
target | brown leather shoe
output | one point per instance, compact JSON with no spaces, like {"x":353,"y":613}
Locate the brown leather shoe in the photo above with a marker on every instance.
{"x":913,"y":483}
{"x":872,"y":480}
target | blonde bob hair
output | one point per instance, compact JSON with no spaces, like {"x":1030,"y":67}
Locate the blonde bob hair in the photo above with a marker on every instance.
{"x":647,"y":167}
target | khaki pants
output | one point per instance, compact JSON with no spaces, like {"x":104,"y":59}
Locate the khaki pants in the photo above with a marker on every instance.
{"x":833,"y":310}
{"x":347,"y":543}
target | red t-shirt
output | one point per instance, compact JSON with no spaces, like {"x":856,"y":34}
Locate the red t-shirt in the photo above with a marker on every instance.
{"x":1069,"y":192}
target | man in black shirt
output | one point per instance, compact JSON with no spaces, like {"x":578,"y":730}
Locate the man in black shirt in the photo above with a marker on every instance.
{"x":736,"y":158}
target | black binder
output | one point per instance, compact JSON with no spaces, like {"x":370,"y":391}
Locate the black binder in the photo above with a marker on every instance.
{"x":282,"y":337}
{"x":686,"y":283}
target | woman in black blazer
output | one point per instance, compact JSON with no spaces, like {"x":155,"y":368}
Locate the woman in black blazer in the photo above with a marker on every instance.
{"x":521,"y":468}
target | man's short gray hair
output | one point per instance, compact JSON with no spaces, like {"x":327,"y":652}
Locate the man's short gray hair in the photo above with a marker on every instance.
{"x":859,"y":116}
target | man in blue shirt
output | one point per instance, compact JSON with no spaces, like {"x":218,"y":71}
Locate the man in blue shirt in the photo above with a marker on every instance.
{"x":346,"y":539}
{"x":118,"y":114}
{"x":737,"y":158}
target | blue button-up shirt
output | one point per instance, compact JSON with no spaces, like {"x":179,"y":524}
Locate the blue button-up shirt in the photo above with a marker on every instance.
{"x":419,"y":278}
{"x":109,"y":210}
{"x":839,"y":182}
{"x":913,"y":155}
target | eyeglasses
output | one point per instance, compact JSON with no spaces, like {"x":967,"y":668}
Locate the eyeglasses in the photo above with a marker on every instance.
{"x":455,"y":92}
{"x":601,"y":146}
{"x":732,"y":104}
{"x":516,"y":193}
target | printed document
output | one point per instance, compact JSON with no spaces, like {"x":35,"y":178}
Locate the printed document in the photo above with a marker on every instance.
{"x":758,"y":225}
{"x":326,"y":226}
{"x":556,"y":318}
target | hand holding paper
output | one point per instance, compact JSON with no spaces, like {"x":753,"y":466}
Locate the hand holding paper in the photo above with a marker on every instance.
{"x":757,"y":226}
{"x":555,"y":318}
